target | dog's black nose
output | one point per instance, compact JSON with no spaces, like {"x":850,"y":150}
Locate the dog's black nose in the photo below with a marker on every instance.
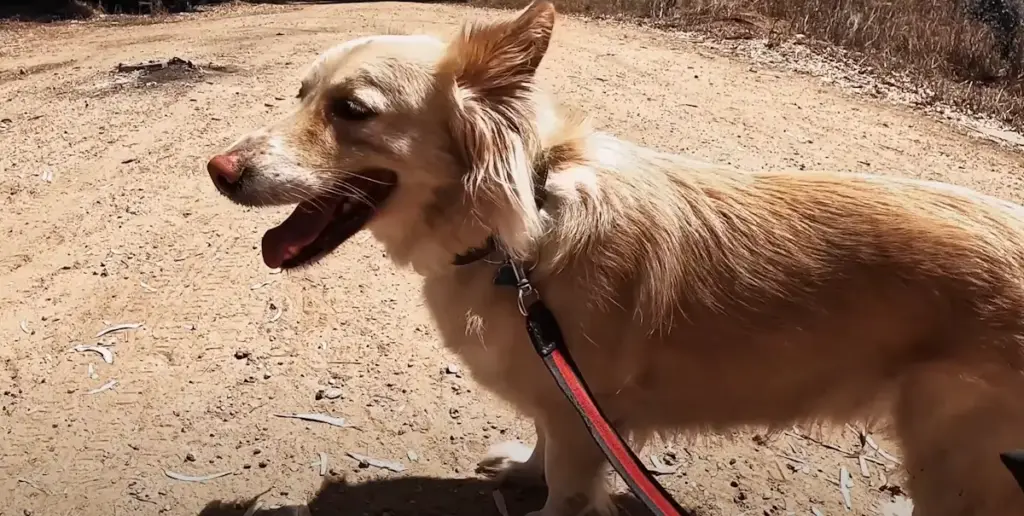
{"x":225,"y":169}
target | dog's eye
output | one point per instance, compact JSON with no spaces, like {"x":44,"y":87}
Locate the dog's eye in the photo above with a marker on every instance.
{"x":350,"y":110}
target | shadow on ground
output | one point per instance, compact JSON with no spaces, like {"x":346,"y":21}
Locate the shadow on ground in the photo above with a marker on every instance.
{"x":408,"y":496}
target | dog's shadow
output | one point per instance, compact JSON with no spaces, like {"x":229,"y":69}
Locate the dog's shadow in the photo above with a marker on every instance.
{"x":408,"y":496}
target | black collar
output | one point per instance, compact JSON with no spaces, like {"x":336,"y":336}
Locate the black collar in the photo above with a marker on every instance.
{"x":475,"y":253}
{"x":540,"y":193}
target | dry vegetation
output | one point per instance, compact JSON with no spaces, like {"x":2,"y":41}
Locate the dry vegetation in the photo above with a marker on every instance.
{"x":937,"y":46}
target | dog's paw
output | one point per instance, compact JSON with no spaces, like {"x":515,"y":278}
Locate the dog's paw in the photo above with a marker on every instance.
{"x":604,"y":507}
{"x":512,"y":462}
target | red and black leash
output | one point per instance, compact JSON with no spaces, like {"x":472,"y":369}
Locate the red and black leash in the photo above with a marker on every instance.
{"x":547,"y":339}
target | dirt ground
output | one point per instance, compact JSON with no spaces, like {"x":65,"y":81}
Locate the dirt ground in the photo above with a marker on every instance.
{"x":108,"y":217}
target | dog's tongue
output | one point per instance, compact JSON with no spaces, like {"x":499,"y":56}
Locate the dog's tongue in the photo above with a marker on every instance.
{"x":297,"y":231}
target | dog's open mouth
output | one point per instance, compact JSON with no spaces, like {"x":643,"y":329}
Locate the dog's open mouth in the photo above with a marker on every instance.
{"x":322,"y":223}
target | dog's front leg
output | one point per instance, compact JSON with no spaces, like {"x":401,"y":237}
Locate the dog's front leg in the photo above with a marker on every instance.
{"x":515,"y":462}
{"x":573,"y":470}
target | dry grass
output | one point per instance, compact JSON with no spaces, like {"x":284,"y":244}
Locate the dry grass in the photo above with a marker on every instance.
{"x":933,"y":44}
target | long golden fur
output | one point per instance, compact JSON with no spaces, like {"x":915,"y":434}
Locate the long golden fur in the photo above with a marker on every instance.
{"x":692,"y":296}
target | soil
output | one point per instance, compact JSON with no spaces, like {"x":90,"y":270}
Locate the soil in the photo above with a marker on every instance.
{"x":109,"y":218}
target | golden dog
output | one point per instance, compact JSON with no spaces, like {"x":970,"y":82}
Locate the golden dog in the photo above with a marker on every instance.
{"x":692,"y":296}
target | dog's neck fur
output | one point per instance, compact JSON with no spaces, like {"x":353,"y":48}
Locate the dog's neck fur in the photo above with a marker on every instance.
{"x":560,"y":135}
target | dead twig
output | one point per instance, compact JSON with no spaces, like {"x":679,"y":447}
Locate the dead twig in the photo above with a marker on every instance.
{"x":844,"y":487}
{"x":499,"y":502}
{"x":189,"y":478}
{"x":105,"y":387}
{"x":106,"y":353}
{"x":377,"y":463}
{"x":821,"y":443}
{"x":34,"y":485}
{"x":316,"y":418}
{"x":117,"y":328}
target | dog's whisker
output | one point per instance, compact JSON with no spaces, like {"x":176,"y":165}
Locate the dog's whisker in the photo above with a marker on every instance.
{"x":363,"y":177}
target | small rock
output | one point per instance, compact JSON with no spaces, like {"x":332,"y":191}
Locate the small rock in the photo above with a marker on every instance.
{"x":413,"y":456}
{"x":242,"y":354}
{"x":263,"y":464}
{"x":190,"y":457}
{"x":451,"y":369}
{"x":331,"y":393}
{"x":454,"y":413}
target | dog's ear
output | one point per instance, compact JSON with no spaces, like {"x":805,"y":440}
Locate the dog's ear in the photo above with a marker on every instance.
{"x":495,"y":59}
{"x":488,"y":73}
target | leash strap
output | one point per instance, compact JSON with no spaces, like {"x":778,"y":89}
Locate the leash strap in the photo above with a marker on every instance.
{"x":547,"y":339}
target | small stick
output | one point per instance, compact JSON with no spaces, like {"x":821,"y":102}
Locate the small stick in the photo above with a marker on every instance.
{"x":377,"y":463}
{"x":499,"y":502}
{"x":864,"y":471}
{"x":316,"y":418}
{"x":871,"y":442}
{"x":844,"y":487}
{"x":105,"y":387}
{"x":33,"y":484}
{"x":253,"y":508}
{"x":190,"y":478}
{"x":782,"y":469}
{"x":108,"y":356}
{"x":826,"y":445}
{"x":794,"y":459}
{"x":323,"y":464}
{"x":118,"y":327}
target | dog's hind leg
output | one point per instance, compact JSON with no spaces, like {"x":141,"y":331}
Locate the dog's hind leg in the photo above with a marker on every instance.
{"x":954,"y":420}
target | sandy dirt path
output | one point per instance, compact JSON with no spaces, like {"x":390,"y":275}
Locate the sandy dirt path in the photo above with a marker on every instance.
{"x":130,"y":230}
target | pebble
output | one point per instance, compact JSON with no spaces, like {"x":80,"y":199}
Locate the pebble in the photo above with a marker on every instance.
{"x":190,"y":457}
{"x":330,"y":393}
{"x":242,"y":354}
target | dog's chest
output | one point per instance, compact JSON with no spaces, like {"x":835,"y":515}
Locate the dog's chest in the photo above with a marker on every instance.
{"x":482,"y":324}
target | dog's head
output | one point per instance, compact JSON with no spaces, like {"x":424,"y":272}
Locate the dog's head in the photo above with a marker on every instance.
{"x":428,"y":144}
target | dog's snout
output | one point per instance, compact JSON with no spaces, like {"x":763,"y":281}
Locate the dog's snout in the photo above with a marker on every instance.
{"x":225,"y":169}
